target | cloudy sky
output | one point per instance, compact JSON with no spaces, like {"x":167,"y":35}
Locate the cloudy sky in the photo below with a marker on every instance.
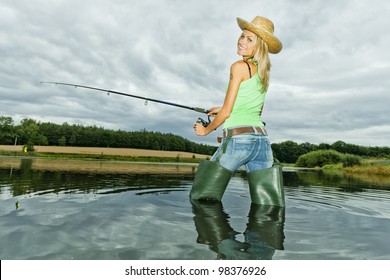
{"x":330,"y":82}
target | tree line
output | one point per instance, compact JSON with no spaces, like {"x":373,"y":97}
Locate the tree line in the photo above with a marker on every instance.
{"x":31,"y":132}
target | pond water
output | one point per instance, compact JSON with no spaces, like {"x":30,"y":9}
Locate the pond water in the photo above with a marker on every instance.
{"x":70,"y":209}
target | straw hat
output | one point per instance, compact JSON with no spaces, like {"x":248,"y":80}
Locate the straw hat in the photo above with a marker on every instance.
{"x":264,"y":28}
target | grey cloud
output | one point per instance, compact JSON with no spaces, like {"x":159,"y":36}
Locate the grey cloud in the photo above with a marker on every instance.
{"x":329,"y":82}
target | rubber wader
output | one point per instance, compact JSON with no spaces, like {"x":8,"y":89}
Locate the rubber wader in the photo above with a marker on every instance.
{"x":210,"y":181}
{"x":266,"y":186}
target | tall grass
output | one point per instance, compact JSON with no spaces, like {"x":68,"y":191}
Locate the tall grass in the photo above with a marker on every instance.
{"x":375,"y":170}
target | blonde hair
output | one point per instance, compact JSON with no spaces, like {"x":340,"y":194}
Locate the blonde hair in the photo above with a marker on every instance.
{"x":263,"y":62}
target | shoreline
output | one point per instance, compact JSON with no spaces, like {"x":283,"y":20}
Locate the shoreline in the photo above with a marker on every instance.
{"x":101,"y":160}
{"x":96,"y":166}
{"x":101,"y":151}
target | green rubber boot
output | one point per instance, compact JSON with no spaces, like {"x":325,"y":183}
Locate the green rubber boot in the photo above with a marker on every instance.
{"x":210,"y":181}
{"x":266,"y":186}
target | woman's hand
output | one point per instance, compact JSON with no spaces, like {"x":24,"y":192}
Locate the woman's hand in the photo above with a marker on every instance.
{"x":214,"y":111}
{"x":200,"y":130}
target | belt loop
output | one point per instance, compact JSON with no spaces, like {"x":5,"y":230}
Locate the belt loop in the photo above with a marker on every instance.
{"x":224,"y":145}
{"x":225,"y":133}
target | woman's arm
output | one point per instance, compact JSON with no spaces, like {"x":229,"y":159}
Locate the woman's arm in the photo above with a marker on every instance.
{"x":237,"y":75}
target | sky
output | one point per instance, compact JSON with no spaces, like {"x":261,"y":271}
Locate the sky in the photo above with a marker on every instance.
{"x":330,"y":82}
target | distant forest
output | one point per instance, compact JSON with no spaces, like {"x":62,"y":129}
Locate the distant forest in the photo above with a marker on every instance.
{"x":31,"y":132}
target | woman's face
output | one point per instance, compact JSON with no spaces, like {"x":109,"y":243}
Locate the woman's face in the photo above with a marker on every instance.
{"x":246,"y":44}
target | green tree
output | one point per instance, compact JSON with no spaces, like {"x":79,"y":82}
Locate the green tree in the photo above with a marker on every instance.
{"x":29,"y":133}
{"x":306,"y":147}
{"x":324,"y":146}
{"x":156,"y":145}
{"x":340,"y":146}
{"x":51,"y":131}
{"x":287,"y":151}
{"x":7,"y":134}
{"x":62,"y":141}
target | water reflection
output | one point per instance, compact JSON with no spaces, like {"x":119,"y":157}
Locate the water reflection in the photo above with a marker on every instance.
{"x":60,"y":209}
{"x":263,"y":235}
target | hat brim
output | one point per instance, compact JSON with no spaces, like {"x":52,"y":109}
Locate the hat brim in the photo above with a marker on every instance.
{"x":274,"y":44}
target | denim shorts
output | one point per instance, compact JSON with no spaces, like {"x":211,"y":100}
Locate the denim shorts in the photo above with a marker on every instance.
{"x":250,"y":149}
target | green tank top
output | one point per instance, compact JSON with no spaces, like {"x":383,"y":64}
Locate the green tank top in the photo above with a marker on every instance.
{"x":248,"y":104}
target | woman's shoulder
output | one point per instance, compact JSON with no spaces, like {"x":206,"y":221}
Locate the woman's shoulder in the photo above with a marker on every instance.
{"x":240,"y":69}
{"x":238,"y":63}
{"x":240,"y":66}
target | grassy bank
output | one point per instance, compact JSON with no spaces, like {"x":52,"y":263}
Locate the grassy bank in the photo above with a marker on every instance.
{"x":89,"y":153}
{"x":370,"y":170}
{"x":375,"y":170}
{"x":377,"y":174}
{"x":119,"y":158}
{"x":380,"y":167}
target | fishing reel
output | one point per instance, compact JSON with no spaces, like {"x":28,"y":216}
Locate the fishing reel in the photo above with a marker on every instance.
{"x":203,"y":122}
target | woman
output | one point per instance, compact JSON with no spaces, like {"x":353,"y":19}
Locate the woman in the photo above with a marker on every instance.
{"x":245,"y":141}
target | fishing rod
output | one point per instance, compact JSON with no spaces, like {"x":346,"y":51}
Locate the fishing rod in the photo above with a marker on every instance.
{"x":196,"y":109}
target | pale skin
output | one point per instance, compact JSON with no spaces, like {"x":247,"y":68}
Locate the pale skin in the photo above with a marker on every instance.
{"x":238,"y":73}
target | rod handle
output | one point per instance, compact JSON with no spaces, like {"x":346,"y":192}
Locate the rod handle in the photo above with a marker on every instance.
{"x":201,"y":110}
